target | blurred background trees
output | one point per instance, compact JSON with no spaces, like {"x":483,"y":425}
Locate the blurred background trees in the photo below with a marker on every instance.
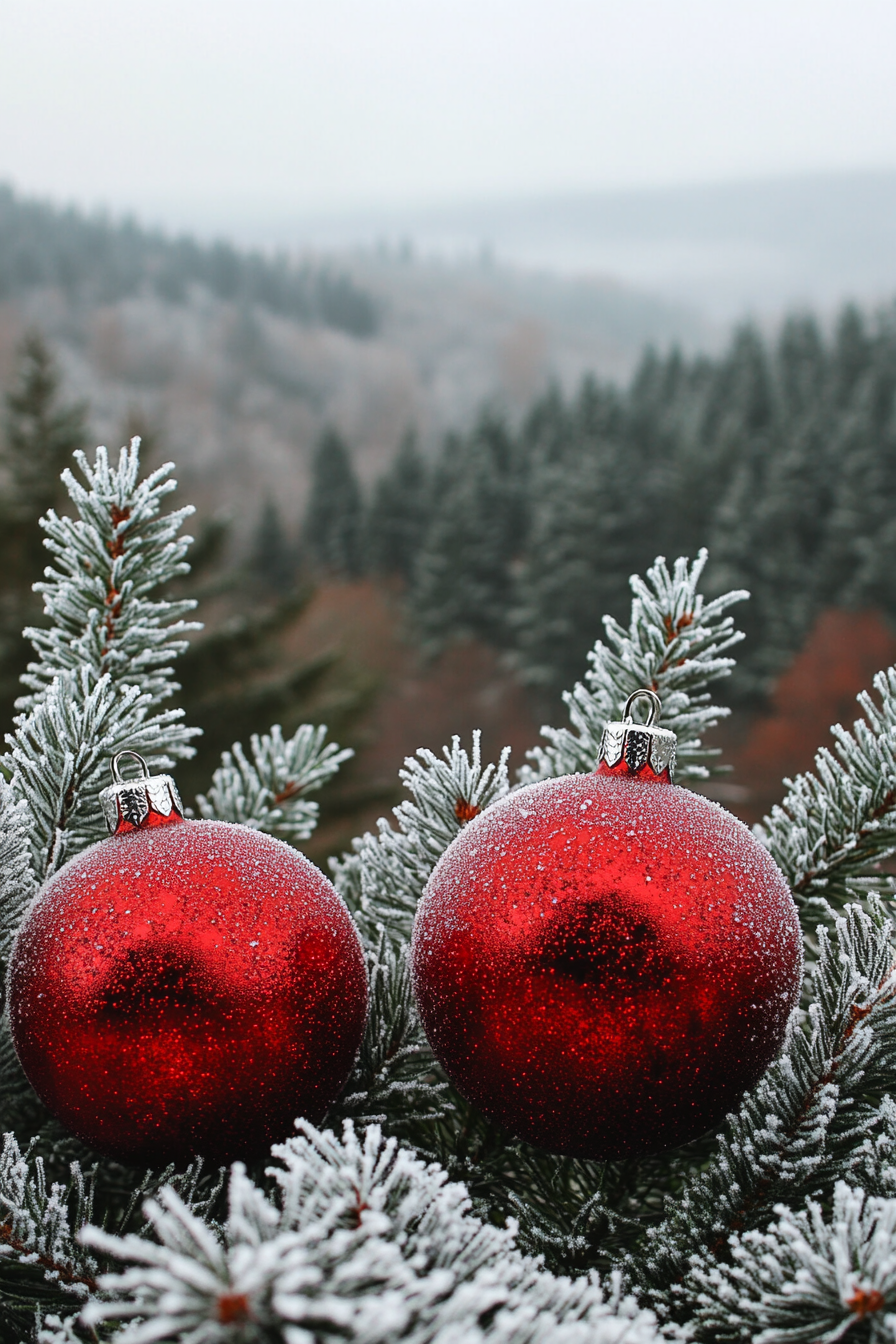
{"x":441,"y":582}
{"x":41,"y":430}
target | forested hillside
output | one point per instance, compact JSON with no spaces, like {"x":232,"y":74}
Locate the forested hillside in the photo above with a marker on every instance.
{"x":780,"y":456}
{"x":97,"y":260}
{"x":237,"y":360}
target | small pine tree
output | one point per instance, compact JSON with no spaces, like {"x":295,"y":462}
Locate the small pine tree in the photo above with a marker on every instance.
{"x":399,"y":512}
{"x":462,"y":580}
{"x":273,"y":560}
{"x":41,"y":432}
{"x":334,"y":521}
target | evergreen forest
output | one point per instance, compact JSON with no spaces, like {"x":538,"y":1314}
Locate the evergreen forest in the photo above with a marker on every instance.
{"x":779,"y":455}
{"x":93,"y":259}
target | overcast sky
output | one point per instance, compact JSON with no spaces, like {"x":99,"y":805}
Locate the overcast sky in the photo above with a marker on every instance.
{"x":272,"y":106}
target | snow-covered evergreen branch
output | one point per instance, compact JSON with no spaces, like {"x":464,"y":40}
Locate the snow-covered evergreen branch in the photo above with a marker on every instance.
{"x":808,"y":1278}
{"x":104,"y":661}
{"x":59,"y":760}
{"x":676,"y":644}
{"x":38,"y":1225}
{"x":835,"y":826}
{"x":107,"y":564}
{"x":384,"y":878}
{"x":269,"y":793}
{"x":17,"y":884}
{"x":43,"y":1262}
{"x":362,"y":1242}
{"x":805,"y":1122}
{"x":396,"y":1080}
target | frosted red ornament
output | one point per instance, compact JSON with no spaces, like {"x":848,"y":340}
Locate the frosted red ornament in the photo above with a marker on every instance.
{"x":185,"y":987}
{"x":604,"y":963}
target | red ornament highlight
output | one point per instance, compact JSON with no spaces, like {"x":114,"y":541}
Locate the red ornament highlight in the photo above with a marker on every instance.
{"x":604,"y":963}
{"x":186,"y":987}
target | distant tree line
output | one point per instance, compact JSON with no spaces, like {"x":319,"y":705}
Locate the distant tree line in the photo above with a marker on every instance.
{"x":96,"y":260}
{"x":780,"y":455}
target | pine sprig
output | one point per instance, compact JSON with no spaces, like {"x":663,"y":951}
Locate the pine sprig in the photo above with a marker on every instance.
{"x":808,"y":1278}
{"x":383,"y":879}
{"x":396,"y":1080}
{"x":102,"y":670}
{"x":17,"y":886}
{"x":676,"y":645}
{"x":269,"y":793}
{"x":39,"y":1225}
{"x":811,"y":1111}
{"x":43,"y":1262}
{"x":97,"y":594}
{"x":59,"y":759}
{"x":836,"y":826}
{"x":362,"y":1242}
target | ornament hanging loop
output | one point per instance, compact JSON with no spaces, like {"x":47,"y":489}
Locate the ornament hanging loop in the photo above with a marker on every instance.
{"x":134,"y":804}
{"x":638,"y":749}
{"x":643,"y":694}
{"x":135,"y":756}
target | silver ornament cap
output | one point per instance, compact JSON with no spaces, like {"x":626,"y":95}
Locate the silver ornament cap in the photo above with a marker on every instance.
{"x":134,"y":804}
{"x":629,"y":748}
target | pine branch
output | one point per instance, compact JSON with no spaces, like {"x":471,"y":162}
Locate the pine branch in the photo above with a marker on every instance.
{"x":396,"y":1080}
{"x":38,"y":1226}
{"x":103,"y":662}
{"x":59,"y":758}
{"x":106,"y":563}
{"x":806,"y":1279}
{"x":804,"y":1120}
{"x":676,"y":644}
{"x":269,"y":793}
{"x":43,"y":1263}
{"x":362,"y":1242}
{"x":835,"y":827}
{"x":17,"y":886}
{"x":54,"y":1329}
{"x":383,"y":880}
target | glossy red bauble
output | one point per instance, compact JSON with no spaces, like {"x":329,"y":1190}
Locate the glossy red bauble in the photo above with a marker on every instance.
{"x":187,"y":988}
{"x":604,"y":963}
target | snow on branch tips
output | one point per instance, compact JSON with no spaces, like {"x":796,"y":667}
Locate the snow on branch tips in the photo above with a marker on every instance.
{"x":676,"y":645}
{"x":103,"y":667}
{"x":39,"y":1224}
{"x":836,"y":826}
{"x":806,"y":1123}
{"x":106,"y":563}
{"x":384,"y":878}
{"x":806,"y":1278}
{"x":362,"y":1241}
{"x":269,"y":793}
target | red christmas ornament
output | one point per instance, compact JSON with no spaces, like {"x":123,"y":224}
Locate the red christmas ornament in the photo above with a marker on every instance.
{"x":604,"y":963}
{"x":185,"y":987}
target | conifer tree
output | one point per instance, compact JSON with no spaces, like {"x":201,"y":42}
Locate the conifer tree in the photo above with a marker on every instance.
{"x":333,"y":530}
{"x":780,"y":454}
{"x":462,"y":581}
{"x":40,"y":433}
{"x":273,"y":560}
{"x":591,"y":522}
{"x":399,"y":512}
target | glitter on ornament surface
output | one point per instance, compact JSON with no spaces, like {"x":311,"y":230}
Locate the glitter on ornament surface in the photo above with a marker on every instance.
{"x":187,"y":988}
{"x":604,"y":965}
